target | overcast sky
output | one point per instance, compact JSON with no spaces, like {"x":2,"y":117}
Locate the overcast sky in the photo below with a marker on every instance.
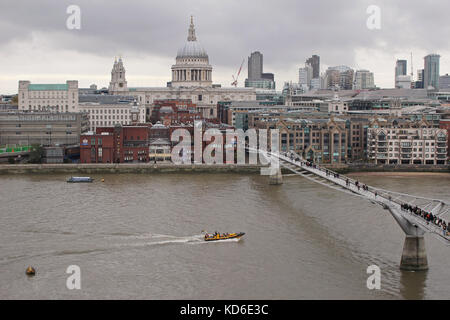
{"x":36,"y":45}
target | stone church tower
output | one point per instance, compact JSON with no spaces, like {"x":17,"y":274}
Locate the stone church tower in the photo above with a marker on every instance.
{"x":118,"y":82}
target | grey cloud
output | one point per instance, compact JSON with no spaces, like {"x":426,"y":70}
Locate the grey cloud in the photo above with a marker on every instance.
{"x":287,"y":32}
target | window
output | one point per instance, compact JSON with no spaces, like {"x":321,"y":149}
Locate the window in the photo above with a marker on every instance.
{"x":93,"y":141}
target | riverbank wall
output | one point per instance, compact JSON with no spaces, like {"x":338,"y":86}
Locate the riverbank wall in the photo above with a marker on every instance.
{"x":354,"y":168}
{"x":102,"y":168}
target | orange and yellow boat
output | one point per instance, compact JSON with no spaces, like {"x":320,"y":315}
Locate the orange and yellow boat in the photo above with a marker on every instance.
{"x":224,"y":236}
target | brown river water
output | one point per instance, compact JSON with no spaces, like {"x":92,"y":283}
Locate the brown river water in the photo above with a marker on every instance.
{"x":138,"y":236}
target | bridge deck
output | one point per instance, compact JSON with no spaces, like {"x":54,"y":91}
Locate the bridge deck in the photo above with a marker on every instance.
{"x":385,"y":198}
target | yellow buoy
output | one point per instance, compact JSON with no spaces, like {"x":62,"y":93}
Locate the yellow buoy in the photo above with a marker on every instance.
{"x":30,"y":271}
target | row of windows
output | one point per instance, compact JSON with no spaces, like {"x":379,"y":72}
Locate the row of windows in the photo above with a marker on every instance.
{"x":48,"y":132}
{"x":418,"y":156}
{"x":47,"y":107}
{"x":107,"y":111}
{"x":107,"y":117}
{"x":48,"y":95}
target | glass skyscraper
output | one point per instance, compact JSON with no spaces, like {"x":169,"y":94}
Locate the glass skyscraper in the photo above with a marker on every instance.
{"x":431,"y":71}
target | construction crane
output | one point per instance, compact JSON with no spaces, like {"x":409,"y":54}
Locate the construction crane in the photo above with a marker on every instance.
{"x":235,"y":80}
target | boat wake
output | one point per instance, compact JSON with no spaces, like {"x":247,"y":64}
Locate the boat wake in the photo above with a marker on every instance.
{"x":118,"y":242}
{"x":159,"y":240}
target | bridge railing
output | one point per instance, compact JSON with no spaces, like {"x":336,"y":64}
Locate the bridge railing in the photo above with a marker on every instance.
{"x":392,"y":197}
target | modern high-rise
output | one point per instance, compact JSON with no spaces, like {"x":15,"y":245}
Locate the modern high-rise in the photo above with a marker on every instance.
{"x":363,"y":80}
{"x":403,"y":82}
{"x":340,"y":77}
{"x":256,"y":77}
{"x":314,"y":62}
{"x":444,"y":83}
{"x":305,"y":75}
{"x":419,"y":82}
{"x":431,"y":71}
{"x":255,"y":65}
{"x":400,"y":70}
{"x":332,"y":78}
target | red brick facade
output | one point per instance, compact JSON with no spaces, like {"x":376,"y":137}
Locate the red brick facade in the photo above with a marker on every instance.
{"x":170,"y":112}
{"x":115,"y":145}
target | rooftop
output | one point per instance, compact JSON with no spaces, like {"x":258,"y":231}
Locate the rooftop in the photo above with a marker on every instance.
{"x":48,"y":87}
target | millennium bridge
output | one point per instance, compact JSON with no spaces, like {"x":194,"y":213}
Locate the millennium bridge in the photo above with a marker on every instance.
{"x":414,"y":257}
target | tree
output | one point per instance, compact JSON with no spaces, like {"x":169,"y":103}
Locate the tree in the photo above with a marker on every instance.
{"x":15,"y":100}
{"x":36,"y":154}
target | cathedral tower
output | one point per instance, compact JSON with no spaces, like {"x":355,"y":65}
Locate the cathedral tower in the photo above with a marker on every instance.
{"x":118,"y":82}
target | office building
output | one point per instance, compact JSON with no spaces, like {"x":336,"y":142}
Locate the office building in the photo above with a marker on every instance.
{"x":256,"y":77}
{"x":444,"y":83}
{"x":403,"y":82}
{"x":61,"y":97}
{"x":314,"y":62}
{"x":363,"y":80}
{"x":43,"y":128}
{"x":431,"y":71}
{"x":400,"y":70}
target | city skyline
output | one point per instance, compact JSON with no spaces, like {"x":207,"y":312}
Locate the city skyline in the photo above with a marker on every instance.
{"x":149,"y":47}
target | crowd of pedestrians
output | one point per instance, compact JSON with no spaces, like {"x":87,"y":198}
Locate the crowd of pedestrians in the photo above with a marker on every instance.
{"x":427,"y":216}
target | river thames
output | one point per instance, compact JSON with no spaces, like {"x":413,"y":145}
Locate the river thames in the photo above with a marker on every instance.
{"x":137,"y":236}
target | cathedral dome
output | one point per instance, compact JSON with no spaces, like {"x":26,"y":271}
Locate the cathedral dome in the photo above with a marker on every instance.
{"x":191,"y":68}
{"x":192,"y":49}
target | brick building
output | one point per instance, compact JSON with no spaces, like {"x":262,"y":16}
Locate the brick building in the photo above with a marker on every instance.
{"x":97,"y":147}
{"x":413,"y":145}
{"x":115,"y":145}
{"x":445,"y":124}
{"x":172,"y":111}
{"x":318,"y":140}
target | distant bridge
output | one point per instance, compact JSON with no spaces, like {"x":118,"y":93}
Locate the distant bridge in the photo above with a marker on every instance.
{"x":414,"y":255}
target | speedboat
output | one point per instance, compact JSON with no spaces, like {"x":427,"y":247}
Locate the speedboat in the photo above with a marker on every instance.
{"x":224,"y":236}
{"x":80,"y":179}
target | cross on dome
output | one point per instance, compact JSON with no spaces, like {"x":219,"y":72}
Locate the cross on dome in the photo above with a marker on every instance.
{"x":191,"y":35}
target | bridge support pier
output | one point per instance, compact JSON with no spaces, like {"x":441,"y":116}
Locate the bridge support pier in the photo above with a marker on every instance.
{"x":414,"y":256}
{"x":275,"y":177}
